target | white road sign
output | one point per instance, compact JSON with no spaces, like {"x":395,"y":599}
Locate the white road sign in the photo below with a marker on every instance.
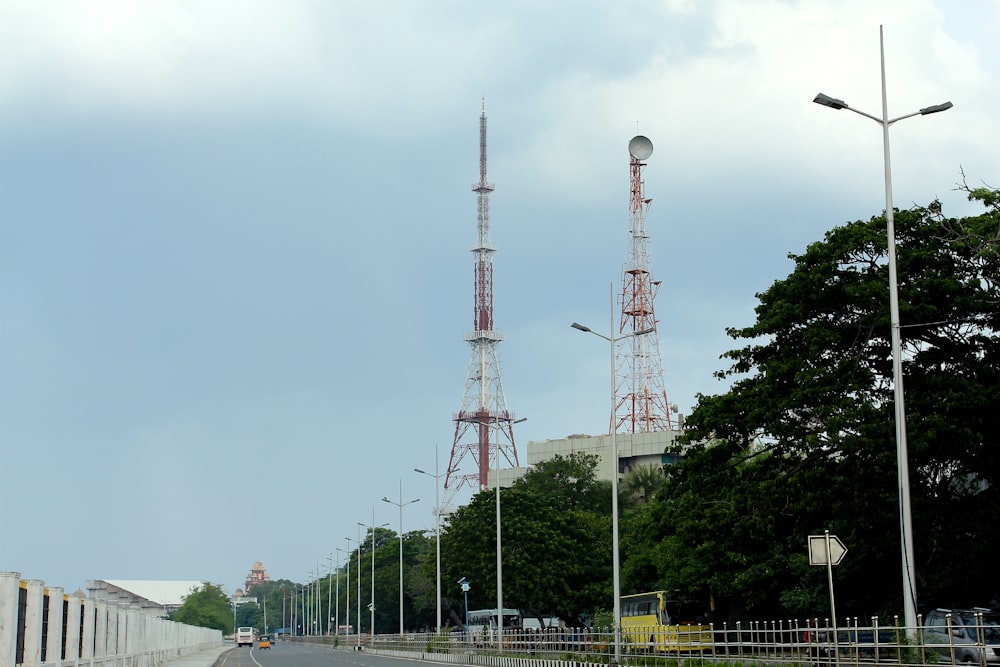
{"x":818,"y":550}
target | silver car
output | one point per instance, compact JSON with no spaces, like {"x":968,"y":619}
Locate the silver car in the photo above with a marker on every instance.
{"x":970,"y":635}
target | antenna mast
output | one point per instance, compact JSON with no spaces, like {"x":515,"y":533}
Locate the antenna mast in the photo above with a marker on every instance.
{"x":640,"y":396}
{"x":484,"y":415}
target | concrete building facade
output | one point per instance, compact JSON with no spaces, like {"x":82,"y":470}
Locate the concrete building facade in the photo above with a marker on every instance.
{"x":634,"y":450}
{"x":156,"y":598}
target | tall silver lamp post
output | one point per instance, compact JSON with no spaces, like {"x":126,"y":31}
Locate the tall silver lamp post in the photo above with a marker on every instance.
{"x":329,"y":595}
{"x":347,"y":602}
{"x":903,"y":473}
{"x":357,"y":613}
{"x":336,"y":606}
{"x":400,"y":505}
{"x":371,"y":604}
{"x":437,"y":529}
{"x":499,"y":551}
{"x":615,"y":564}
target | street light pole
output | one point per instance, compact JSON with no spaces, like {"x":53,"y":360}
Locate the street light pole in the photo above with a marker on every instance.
{"x":305,"y":615}
{"x":400,"y":505}
{"x":329,"y":595}
{"x":615,"y":558}
{"x":315,"y":606}
{"x":499,"y":550}
{"x":336,"y":607}
{"x":437,"y":530}
{"x":902,"y":464}
{"x":347,"y":603}
{"x":499,"y":557}
{"x":357,"y":618}
{"x":371,"y":605}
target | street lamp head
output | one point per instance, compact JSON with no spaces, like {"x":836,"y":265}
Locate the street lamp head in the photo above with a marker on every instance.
{"x":644,"y":332}
{"x":422,"y":472}
{"x":831,"y":102}
{"x":386,"y":500}
{"x":579,"y":326}
{"x":936,"y":108}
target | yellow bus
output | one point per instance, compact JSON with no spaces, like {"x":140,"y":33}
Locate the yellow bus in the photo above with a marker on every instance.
{"x":653,"y":622}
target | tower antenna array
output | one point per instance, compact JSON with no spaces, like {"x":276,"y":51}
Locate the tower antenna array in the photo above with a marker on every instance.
{"x":483,"y":426}
{"x":640,"y":396}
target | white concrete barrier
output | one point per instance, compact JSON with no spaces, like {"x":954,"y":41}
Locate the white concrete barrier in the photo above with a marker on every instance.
{"x":41,"y":625}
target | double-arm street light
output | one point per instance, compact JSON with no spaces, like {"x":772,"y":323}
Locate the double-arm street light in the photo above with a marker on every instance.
{"x":357,"y":617}
{"x":615,"y":562}
{"x":437,"y":529}
{"x":903,"y":474}
{"x":499,"y":552}
{"x":336,"y":612}
{"x":329,"y":594}
{"x":400,"y":505}
{"x":371,"y":605}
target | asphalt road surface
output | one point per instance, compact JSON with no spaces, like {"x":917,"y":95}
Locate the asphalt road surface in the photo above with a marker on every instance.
{"x":295,"y":654}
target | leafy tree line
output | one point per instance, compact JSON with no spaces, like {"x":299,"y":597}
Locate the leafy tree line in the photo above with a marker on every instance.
{"x":556,"y":541}
{"x":803,"y":441}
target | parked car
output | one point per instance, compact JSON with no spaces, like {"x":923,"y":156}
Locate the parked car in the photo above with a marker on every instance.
{"x":264,"y":642}
{"x":972,"y":634}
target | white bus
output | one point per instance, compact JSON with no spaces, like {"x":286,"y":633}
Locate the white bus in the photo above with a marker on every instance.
{"x":483,"y":622}
{"x":244,"y":636}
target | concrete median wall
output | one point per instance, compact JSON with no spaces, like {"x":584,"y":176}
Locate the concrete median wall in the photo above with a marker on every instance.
{"x":40,"y":625}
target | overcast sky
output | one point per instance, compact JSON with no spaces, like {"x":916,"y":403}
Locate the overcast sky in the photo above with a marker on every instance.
{"x":235,"y":273}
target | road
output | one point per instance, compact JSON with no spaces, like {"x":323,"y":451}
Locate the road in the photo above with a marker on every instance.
{"x":295,"y":654}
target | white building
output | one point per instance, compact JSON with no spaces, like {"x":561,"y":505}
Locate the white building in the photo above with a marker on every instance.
{"x":634,"y":450}
{"x":156,"y":598}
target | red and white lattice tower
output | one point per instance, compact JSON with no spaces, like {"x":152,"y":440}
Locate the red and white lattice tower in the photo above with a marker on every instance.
{"x":640,"y":398}
{"x":484,"y":427}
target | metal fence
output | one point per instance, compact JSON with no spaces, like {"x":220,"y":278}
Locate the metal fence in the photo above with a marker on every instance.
{"x":793,"y":642}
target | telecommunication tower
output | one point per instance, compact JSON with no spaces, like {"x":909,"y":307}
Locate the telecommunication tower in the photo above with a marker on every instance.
{"x":484,"y":427}
{"x":640,"y":398}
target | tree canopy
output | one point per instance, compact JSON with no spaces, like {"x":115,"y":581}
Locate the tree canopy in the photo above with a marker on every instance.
{"x":556,"y":539}
{"x":804,"y":439}
{"x":207,"y":607}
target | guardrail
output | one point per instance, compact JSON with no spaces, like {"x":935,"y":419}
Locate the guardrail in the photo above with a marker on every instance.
{"x":40,"y":624}
{"x":790,"y":642}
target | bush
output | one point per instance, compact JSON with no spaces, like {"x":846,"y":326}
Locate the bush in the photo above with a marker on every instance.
{"x":441,"y":643}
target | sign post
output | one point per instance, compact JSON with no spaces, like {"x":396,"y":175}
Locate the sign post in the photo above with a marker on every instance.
{"x":827,"y":549}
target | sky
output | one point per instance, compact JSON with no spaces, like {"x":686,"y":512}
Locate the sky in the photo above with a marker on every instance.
{"x":235,"y":276}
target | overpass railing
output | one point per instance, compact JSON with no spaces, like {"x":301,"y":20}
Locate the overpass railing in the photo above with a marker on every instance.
{"x":791,"y":643}
{"x":40,"y":624}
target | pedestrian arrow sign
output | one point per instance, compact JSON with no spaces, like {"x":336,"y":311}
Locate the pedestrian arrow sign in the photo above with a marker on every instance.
{"x":826,"y":550}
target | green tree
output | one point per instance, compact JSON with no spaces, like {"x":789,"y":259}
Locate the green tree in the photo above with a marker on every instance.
{"x":804,"y":439}
{"x":641,"y":484}
{"x":207,"y":606}
{"x":556,"y":542}
{"x":274,"y":599}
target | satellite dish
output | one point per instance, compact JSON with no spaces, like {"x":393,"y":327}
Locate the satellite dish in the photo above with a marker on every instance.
{"x":640,"y":147}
